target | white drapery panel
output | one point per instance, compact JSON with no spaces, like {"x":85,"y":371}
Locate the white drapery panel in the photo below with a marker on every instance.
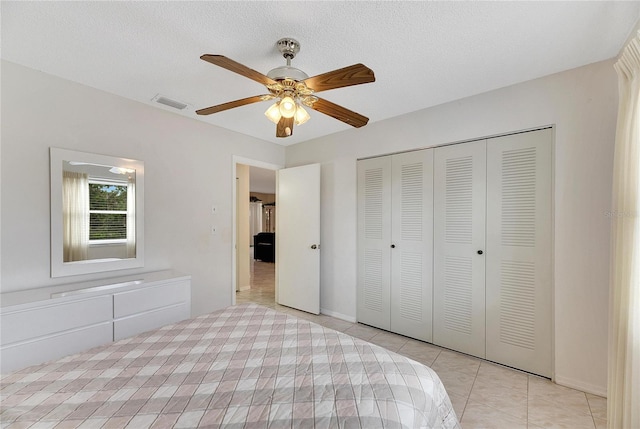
{"x":75,"y":216}
{"x":131,"y":216}
{"x":255,"y":220}
{"x":624,"y":333}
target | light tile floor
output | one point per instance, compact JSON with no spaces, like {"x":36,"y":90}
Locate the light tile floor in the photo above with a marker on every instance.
{"x":484,"y":395}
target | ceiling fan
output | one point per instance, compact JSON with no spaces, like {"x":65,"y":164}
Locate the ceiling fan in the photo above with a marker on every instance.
{"x":293,"y":88}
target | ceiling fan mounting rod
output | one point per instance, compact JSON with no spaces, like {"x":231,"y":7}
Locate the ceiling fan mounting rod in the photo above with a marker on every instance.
{"x":288,"y":47}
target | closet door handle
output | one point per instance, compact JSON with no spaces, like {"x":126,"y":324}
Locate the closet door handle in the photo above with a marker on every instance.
{"x":314,"y":246}
{"x":480,"y":252}
{"x":393,"y":246}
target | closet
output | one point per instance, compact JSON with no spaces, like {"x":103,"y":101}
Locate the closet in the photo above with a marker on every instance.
{"x":490,"y":248}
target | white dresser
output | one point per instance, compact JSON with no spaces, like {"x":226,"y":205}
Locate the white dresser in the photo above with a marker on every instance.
{"x":39,"y":325}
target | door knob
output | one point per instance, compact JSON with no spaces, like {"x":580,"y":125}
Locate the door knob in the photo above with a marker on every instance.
{"x":393,"y":246}
{"x":479,"y":252}
{"x":314,"y":247}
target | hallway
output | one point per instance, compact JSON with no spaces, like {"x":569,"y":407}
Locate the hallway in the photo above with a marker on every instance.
{"x":262,"y":279}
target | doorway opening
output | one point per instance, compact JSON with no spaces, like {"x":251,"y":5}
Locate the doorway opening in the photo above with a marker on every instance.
{"x":254,"y":226}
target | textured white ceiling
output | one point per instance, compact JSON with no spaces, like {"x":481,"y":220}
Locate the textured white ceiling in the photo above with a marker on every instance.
{"x":422,"y":53}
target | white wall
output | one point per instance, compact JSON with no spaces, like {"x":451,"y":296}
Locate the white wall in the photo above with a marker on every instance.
{"x":188,"y":168}
{"x":582,"y":103}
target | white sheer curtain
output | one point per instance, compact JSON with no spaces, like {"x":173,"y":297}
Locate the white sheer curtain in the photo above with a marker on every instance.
{"x":131,"y":216}
{"x":75,"y":216}
{"x":255,"y":219}
{"x":624,"y":332}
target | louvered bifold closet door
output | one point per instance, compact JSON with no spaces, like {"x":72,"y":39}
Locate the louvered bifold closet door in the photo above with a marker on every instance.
{"x":518,"y":285}
{"x":412,"y":238}
{"x":374,"y":238}
{"x":459,"y":236}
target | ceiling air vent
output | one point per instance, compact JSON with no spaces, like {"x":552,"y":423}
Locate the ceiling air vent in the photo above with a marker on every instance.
{"x":169,"y":102}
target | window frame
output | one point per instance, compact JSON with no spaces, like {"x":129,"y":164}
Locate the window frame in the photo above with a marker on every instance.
{"x":93,"y":180}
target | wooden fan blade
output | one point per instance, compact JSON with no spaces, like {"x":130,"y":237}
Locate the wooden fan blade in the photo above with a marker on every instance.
{"x":340,"y":113}
{"x":284,"y":127}
{"x":229,"y":64}
{"x":353,"y":75}
{"x":230,"y":105}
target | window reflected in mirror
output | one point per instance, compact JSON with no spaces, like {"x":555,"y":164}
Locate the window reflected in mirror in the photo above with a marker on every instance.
{"x":96,"y":213}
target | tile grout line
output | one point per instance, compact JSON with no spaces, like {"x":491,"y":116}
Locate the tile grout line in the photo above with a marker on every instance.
{"x":471,"y":390}
{"x":528,"y":380}
{"x":591,"y":411}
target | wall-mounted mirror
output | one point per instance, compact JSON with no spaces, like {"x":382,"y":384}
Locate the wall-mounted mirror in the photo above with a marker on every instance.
{"x":97,"y":213}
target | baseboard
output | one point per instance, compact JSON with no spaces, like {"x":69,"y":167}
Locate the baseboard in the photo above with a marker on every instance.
{"x":243,"y":288}
{"x":580,"y":385}
{"x":337,"y":315}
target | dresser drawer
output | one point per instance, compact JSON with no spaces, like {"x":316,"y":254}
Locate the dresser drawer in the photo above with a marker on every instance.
{"x":150,"y":298}
{"x":138,"y":323}
{"x":46,"y":319}
{"x":20,"y":355}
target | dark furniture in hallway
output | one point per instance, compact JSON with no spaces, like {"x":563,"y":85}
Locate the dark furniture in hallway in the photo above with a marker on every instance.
{"x":264,"y":246}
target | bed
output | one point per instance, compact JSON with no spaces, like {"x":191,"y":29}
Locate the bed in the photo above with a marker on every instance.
{"x":245,"y":366}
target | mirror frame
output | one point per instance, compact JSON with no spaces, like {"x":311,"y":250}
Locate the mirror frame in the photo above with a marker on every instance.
{"x":62,"y":269}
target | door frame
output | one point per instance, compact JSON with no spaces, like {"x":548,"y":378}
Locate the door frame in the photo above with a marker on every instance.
{"x":234,"y":216}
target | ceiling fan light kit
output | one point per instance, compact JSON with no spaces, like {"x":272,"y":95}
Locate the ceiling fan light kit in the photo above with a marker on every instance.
{"x":273,"y":113}
{"x":301,"y":116}
{"x":287,"y":107}
{"x":293,"y":88}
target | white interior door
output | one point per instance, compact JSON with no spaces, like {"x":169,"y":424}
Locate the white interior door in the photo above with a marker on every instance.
{"x":374,"y":242}
{"x":412,"y":244}
{"x":518,"y":285}
{"x":459,"y":241}
{"x":298,"y":238}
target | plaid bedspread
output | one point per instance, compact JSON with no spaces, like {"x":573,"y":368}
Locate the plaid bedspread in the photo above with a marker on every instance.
{"x":242,"y":367}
